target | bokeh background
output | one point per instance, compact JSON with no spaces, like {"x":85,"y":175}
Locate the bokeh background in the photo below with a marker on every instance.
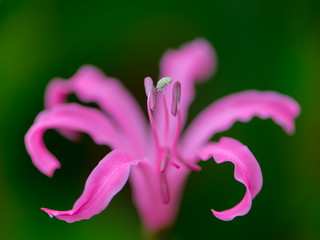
{"x":261,"y":44}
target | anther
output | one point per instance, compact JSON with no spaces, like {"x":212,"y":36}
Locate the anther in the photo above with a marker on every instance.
{"x":150,"y":92}
{"x":165,"y":160}
{"x":162,"y":83}
{"x":148,"y":84}
{"x":176,"y":95}
{"x":153,"y":99}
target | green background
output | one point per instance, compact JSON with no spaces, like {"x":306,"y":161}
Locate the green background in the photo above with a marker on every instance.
{"x":265,"y":45}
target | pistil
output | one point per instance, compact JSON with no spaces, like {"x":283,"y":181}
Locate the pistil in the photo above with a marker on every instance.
{"x":151,"y":103}
{"x":166,"y":117}
{"x":162,"y":83}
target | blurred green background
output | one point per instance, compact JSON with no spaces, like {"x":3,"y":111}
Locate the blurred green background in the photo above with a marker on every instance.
{"x":261,"y":44}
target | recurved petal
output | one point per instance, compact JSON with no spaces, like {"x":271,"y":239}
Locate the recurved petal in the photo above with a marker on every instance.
{"x":221,"y":115}
{"x":247,"y":171}
{"x":104,"y":182}
{"x":91,"y":85}
{"x":57,"y":93}
{"x":191,"y":63}
{"x":71,"y":117}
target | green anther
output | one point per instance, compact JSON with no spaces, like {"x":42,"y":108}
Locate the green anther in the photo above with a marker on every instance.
{"x":162,"y":83}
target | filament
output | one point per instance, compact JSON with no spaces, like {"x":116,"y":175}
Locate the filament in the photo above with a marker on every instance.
{"x":166,"y":115}
{"x":153,"y":127}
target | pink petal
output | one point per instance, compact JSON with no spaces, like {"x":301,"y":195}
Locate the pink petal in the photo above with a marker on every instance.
{"x":91,"y":85}
{"x":247,"y":171}
{"x":221,"y":115}
{"x":148,"y":197}
{"x":104,"y":182}
{"x":71,"y":117}
{"x":57,"y":93}
{"x":191,"y":63}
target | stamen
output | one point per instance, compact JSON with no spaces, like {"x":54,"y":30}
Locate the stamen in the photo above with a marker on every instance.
{"x":177,"y":135}
{"x":153,"y":99}
{"x":165,"y":160}
{"x":166,"y":116}
{"x":176,"y":95}
{"x":162,"y":83}
{"x":150,"y":92}
{"x":191,"y":166}
{"x":164,"y":188}
{"x":153,"y":127}
{"x":175,"y":110}
{"x":177,"y":166}
{"x":151,"y":106}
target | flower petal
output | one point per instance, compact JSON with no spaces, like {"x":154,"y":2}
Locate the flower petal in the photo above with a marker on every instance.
{"x":191,"y":63}
{"x":148,"y":197}
{"x":91,"y":85}
{"x":247,"y":171}
{"x":71,"y":117}
{"x":242,"y":106}
{"x":104,"y":182}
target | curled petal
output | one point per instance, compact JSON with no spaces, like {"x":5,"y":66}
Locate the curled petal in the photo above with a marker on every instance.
{"x":104,"y":182}
{"x":191,"y":63}
{"x":91,"y":85}
{"x":221,"y":115}
{"x":70,"y":117}
{"x":247,"y":171}
{"x":57,"y":93}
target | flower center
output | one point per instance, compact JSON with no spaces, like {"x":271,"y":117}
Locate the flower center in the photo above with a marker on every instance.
{"x":166,"y":153}
{"x":152,"y":94}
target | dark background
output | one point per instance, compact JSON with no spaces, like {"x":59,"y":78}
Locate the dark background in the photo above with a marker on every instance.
{"x":265,"y":45}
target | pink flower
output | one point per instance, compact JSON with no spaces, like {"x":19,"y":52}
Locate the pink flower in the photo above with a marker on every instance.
{"x":155,"y":157}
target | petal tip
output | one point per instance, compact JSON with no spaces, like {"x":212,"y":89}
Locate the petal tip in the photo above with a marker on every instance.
{"x":290,"y":130}
{"x":222,"y":216}
{"x":48,"y":211}
{"x":89,"y":68}
{"x":49,"y":172}
{"x":206,"y":56}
